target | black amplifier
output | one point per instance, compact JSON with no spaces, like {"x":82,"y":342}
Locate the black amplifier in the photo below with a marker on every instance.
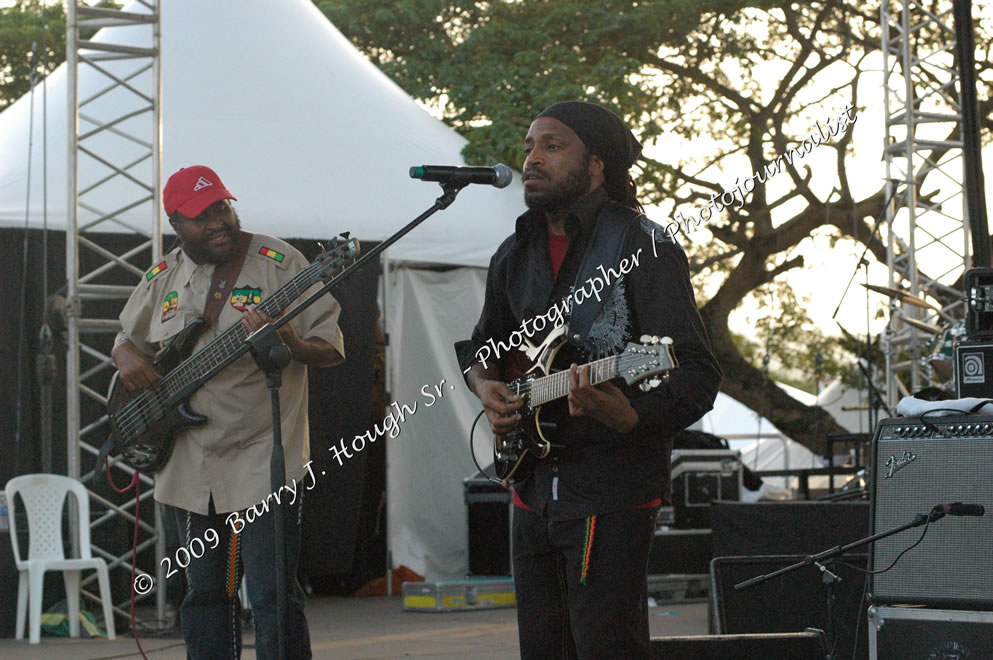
{"x":910,"y":632}
{"x":915,"y":466}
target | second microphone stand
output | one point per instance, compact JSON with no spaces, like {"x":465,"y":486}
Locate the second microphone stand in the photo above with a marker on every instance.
{"x":824,"y":562}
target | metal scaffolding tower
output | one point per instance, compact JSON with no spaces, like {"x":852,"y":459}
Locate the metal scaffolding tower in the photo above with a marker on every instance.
{"x":926,"y":214}
{"x":100,"y":128}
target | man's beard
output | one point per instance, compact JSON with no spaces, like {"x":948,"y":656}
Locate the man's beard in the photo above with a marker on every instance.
{"x":575,"y":185}
{"x":203,"y":253}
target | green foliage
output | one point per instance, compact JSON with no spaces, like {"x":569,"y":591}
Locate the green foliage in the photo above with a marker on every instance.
{"x":495,"y":65}
{"x":32,"y":41}
{"x":748,"y":77}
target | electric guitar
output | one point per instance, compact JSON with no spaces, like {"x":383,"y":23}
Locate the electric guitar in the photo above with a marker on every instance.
{"x":144,"y":423}
{"x":515,"y":453}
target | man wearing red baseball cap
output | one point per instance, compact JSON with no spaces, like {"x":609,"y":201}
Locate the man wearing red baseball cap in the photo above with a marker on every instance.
{"x":217,"y":476}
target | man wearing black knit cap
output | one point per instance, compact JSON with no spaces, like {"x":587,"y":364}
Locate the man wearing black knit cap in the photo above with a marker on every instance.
{"x":585,"y":513}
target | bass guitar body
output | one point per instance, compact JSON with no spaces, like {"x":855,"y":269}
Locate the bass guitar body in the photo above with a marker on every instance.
{"x":145,"y":435}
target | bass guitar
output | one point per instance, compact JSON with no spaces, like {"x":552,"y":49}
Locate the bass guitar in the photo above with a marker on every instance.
{"x":144,"y":423}
{"x":515,"y":453}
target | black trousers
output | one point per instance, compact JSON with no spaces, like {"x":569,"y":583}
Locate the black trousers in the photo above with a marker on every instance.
{"x":582,"y":589}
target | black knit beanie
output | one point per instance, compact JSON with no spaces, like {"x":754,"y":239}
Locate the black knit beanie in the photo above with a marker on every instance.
{"x":603,"y":133}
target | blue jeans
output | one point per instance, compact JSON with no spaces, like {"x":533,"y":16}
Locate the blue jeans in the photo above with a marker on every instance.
{"x":211,"y":611}
{"x":582,"y":589}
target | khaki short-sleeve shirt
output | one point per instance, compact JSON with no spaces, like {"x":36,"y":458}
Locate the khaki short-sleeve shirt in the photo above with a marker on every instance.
{"x":228,"y":457}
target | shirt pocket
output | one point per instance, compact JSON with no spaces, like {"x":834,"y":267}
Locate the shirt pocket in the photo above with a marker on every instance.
{"x":169,"y":319}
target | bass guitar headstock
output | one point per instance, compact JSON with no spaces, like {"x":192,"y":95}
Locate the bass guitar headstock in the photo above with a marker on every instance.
{"x":647,"y":363}
{"x":343,"y":250}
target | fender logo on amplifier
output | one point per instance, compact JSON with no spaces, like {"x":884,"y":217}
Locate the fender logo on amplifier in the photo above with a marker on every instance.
{"x":894,"y":464}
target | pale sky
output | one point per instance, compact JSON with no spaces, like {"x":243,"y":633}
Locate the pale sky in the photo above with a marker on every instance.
{"x":827,"y":270}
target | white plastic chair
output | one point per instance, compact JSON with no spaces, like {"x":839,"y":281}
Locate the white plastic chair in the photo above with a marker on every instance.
{"x":44,"y":496}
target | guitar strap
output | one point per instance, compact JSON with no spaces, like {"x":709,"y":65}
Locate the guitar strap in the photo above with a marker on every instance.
{"x":223,"y":280}
{"x":604,"y":249}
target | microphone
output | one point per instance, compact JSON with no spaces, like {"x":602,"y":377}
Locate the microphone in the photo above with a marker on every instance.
{"x":498,"y":176}
{"x":957,"y":509}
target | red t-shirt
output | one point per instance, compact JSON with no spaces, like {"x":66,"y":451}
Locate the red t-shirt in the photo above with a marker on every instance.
{"x":557,"y":247}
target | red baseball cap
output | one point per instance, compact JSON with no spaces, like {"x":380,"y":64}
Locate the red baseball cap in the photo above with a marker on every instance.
{"x":192,"y":189}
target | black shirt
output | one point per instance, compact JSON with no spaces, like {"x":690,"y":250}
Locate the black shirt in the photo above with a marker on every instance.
{"x":597,"y":470}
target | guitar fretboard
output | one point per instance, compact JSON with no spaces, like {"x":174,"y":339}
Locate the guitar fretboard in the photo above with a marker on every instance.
{"x":556,"y":386}
{"x":221,"y":347}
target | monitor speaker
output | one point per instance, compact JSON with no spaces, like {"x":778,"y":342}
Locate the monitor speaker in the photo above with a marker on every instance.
{"x":917,"y":465}
{"x":791,"y":602}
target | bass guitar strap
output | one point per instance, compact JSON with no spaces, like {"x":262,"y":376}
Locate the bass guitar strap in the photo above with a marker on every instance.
{"x":604,"y":249}
{"x":223,"y":280}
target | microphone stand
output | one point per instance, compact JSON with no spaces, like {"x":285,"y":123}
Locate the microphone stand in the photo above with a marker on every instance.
{"x":272,"y":356}
{"x":450,"y":189}
{"x":824,"y":562}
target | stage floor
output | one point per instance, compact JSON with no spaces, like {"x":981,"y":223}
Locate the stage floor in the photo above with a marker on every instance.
{"x":366,"y":628}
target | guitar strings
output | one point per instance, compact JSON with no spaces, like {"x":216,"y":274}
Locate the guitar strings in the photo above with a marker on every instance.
{"x":553,"y":384}
{"x":134,"y":413}
{"x":133,"y":416}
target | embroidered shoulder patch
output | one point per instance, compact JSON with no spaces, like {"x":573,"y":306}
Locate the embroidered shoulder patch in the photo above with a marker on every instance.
{"x":272,"y":254}
{"x":169,"y":305}
{"x":245,"y":297}
{"x":150,"y":275}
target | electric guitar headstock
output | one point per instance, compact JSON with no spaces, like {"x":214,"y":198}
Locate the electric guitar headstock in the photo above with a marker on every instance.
{"x":648,"y":363}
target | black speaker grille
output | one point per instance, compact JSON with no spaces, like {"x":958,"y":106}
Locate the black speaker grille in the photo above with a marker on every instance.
{"x":915,"y":467}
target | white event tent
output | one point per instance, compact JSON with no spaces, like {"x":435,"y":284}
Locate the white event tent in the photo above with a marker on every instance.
{"x":314,"y":140}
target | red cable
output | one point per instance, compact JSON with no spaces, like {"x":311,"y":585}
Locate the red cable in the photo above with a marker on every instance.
{"x":134,"y":543}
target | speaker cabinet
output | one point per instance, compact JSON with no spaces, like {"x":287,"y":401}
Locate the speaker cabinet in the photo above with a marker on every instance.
{"x":792,"y":602}
{"x":910,"y":632}
{"x":917,"y":465}
{"x":488,"y":515}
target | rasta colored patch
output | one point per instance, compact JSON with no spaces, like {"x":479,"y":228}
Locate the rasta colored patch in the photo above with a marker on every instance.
{"x":169,"y":305}
{"x":272,"y":254}
{"x":155,"y":271}
{"x":242,"y":299}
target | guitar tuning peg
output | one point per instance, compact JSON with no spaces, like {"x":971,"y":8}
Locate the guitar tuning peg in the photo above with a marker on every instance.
{"x":644,"y":387}
{"x":645,"y":339}
{"x":667,"y":340}
{"x":653,"y":383}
